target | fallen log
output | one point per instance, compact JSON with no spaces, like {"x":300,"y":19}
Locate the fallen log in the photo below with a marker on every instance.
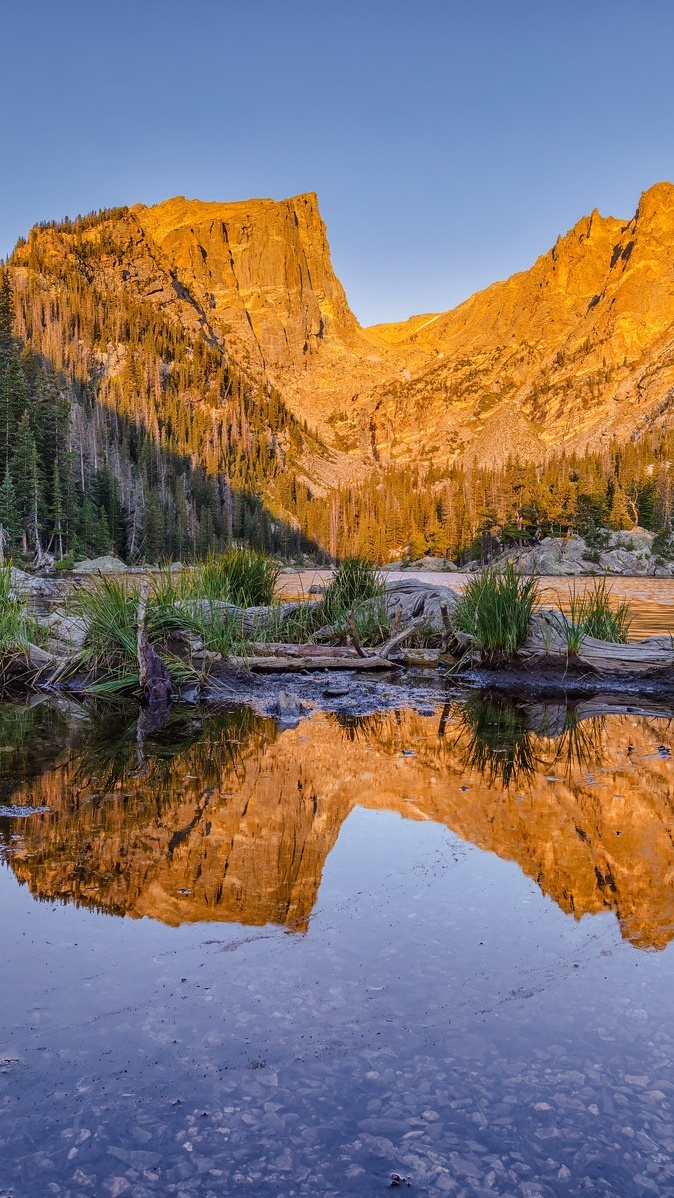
{"x":249,"y":619}
{"x":547,"y":637}
{"x":422,"y":659}
{"x":290,"y":649}
{"x":277,"y":664}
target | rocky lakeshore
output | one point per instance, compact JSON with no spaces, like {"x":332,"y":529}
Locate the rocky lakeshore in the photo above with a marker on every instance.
{"x":284,"y":668}
{"x":631,"y":553}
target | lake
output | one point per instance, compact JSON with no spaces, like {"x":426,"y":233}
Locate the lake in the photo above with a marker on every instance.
{"x":428,"y":949}
{"x":652,"y":599}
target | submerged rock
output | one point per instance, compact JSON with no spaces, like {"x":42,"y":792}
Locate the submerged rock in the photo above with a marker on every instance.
{"x":288,"y":709}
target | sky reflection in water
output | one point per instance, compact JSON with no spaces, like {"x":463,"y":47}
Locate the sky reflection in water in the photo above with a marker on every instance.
{"x":436,"y":1011}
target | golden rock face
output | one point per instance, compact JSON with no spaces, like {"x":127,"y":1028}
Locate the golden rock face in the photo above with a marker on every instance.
{"x":238,"y":825}
{"x":261,"y":271}
{"x":575,"y":349}
{"x":562,"y":354}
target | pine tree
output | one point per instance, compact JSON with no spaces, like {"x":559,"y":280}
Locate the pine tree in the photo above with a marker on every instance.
{"x":57,"y":510}
{"x":10,"y":521}
{"x":622,"y":514}
{"x":27,"y":483}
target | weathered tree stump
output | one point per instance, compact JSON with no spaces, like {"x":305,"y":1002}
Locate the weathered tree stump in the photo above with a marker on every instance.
{"x":155,"y":681}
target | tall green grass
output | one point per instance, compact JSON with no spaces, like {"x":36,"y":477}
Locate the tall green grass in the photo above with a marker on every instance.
{"x":18,"y":629}
{"x":355,"y":581}
{"x":355,"y":596}
{"x":240,"y":576}
{"x":108,"y":655}
{"x":593,"y":613}
{"x":176,"y":606}
{"x":195,"y":602}
{"x":495,"y":609}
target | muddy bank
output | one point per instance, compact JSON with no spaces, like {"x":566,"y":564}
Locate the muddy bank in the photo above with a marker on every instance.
{"x":552,"y":680}
{"x":291,"y":697}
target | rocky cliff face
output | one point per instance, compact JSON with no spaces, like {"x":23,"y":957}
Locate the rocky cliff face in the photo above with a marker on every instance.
{"x":576,"y":349}
{"x":262,"y":272}
{"x":573,"y":350}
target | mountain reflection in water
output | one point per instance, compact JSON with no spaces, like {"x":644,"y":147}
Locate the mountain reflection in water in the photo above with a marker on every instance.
{"x":223,"y":817}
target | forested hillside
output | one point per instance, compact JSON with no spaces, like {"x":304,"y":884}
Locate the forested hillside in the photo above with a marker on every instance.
{"x":123,"y":430}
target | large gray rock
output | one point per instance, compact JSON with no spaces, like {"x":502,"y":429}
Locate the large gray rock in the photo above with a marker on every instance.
{"x":100,"y":565}
{"x":69,"y":631}
{"x":438,"y":565}
{"x":626,"y":553}
{"x":622,"y":561}
{"x":637,"y":539}
{"x":558,"y":556}
{"x":32,"y":586}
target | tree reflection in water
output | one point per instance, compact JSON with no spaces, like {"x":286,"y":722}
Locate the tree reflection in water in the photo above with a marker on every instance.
{"x":497,"y":741}
{"x":506,"y":741}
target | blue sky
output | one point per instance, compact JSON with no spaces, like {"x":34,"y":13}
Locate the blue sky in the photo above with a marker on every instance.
{"x":449,"y":143}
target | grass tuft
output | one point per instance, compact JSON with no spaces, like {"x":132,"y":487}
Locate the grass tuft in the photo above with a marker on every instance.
{"x":356,"y":593}
{"x":354,"y":582}
{"x":594,"y":614}
{"x":109,"y":653}
{"x":495,"y":609}
{"x":240,"y":576}
{"x":17,"y":628}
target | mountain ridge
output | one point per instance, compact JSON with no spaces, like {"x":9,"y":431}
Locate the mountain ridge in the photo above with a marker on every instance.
{"x":216,"y":370}
{"x":563,"y":350}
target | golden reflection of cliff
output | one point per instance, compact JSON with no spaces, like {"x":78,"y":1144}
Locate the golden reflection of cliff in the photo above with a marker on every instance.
{"x":238,"y":825}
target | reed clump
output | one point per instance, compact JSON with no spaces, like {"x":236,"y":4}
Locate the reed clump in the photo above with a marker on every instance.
{"x":108,"y":656}
{"x":594,"y":613}
{"x":18,"y":629}
{"x":495,"y":610}
{"x":355,"y":581}
{"x":239,"y":576}
{"x":353,"y":602}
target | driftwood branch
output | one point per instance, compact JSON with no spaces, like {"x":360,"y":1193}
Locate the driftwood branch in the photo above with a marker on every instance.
{"x":308,"y":650}
{"x":278,"y":664}
{"x":353,"y":635}
{"x":391,"y":645}
{"x":547,"y":637}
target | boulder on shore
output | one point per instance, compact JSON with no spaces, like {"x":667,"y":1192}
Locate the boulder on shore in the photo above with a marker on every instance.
{"x":108,"y":564}
{"x":31,"y":586}
{"x":623,"y":553}
{"x":439,"y":565}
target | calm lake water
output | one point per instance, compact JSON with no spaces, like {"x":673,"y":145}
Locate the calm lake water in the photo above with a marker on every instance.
{"x":652,"y":599}
{"x":432,"y":944}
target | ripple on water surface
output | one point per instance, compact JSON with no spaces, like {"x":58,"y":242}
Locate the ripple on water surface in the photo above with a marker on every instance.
{"x":240,"y":960}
